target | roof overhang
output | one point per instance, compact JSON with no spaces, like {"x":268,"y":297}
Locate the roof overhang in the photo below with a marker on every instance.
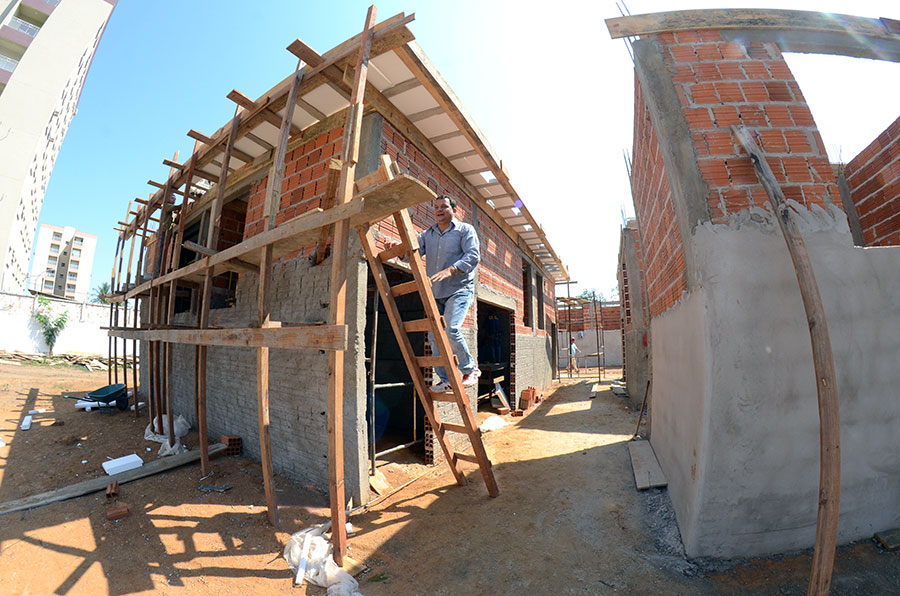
{"x":401,"y":80}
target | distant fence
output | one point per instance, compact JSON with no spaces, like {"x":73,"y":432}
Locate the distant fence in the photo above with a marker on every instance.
{"x":587,"y":343}
{"x":82,"y":334}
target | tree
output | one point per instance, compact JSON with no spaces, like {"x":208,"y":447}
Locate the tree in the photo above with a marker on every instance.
{"x":102,"y":293}
{"x":50,"y":327}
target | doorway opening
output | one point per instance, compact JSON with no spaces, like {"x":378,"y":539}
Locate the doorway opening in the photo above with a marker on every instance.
{"x":495,"y":354}
{"x":394,"y":414}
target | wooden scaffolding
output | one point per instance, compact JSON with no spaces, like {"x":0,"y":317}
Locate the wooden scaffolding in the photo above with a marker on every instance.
{"x":196,"y":190}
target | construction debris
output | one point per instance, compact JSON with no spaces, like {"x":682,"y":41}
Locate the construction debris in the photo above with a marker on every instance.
{"x":112,"y":490}
{"x":117,"y":512}
{"x":89,"y":362}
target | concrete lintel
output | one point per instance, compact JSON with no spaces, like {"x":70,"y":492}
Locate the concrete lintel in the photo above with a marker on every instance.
{"x":689,"y":189}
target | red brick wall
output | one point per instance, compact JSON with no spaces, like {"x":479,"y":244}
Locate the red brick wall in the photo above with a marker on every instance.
{"x":664,"y":257}
{"x":584,"y":318}
{"x":303,"y":188}
{"x":874,"y":180}
{"x":231,"y":232}
{"x":305,"y":177}
{"x":721,"y":84}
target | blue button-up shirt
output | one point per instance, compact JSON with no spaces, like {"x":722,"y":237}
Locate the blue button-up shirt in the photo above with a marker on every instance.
{"x":456,"y":246}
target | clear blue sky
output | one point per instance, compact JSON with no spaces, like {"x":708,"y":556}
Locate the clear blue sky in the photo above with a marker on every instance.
{"x":549,"y":89}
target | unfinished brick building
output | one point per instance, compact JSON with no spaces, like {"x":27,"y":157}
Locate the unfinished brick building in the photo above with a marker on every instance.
{"x":735,"y":424}
{"x":412,"y":141}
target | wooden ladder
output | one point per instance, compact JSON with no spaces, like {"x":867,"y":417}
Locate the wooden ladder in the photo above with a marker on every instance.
{"x":434,"y":322}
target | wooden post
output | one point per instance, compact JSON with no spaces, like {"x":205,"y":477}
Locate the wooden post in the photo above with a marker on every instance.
{"x":112,"y":285}
{"x":273,"y":199}
{"x":823,"y":362}
{"x":338,"y":301}
{"x":212,"y":237}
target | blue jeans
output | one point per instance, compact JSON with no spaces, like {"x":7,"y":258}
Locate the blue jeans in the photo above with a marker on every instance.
{"x":454,"y":309}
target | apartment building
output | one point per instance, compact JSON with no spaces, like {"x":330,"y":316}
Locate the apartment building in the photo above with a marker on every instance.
{"x":63,"y":260}
{"x":46,"y":47}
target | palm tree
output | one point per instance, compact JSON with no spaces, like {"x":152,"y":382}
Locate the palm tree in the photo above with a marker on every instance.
{"x":102,"y":293}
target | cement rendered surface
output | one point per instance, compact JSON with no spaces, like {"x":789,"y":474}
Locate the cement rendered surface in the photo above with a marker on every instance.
{"x":736,"y":425}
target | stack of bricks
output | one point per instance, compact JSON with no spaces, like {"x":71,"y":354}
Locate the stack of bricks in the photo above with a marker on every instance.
{"x":873,"y":178}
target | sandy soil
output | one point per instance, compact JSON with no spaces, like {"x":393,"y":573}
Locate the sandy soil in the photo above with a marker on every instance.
{"x":568,"y":519}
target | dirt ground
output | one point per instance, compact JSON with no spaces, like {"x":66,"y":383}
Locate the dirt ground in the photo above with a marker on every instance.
{"x":568,"y":519}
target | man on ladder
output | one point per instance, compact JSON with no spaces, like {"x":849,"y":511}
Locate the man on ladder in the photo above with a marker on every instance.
{"x":451,"y":252}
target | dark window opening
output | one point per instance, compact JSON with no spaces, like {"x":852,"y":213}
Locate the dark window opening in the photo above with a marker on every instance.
{"x":231,"y":232}
{"x":539,"y":286}
{"x":527,"y":319}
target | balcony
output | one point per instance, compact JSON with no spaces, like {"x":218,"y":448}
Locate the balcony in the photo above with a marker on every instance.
{"x":23,"y":26}
{"x":8,"y":64}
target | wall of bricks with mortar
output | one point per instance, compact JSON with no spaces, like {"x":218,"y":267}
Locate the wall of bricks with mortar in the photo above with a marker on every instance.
{"x":664,"y":264}
{"x":725,"y":83}
{"x":305,"y":179}
{"x":585,"y":317}
{"x":231,"y":232}
{"x":873,"y":177}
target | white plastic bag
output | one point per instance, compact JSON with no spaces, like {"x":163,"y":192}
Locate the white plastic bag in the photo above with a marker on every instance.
{"x":175,"y":449}
{"x":181,"y":428}
{"x":493,"y":423}
{"x":321,"y":569}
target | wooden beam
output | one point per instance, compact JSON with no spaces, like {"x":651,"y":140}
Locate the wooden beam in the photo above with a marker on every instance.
{"x":276,"y":172}
{"x":97,"y":484}
{"x":829,"y":494}
{"x":310,"y":109}
{"x":335,"y":167}
{"x":198,"y":136}
{"x":402,"y":87}
{"x":263,"y":110}
{"x":791,"y":30}
{"x":262,"y":386}
{"x":309,"y":337}
{"x":425,"y":114}
{"x":338,"y":302}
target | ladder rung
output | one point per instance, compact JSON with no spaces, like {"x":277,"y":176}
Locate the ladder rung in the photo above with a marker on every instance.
{"x":447,"y":397}
{"x":418,"y":325}
{"x":456,"y":428}
{"x":405,"y":288}
{"x":469,"y":458}
{"x":426,"y":361}
{"x":393,"y":252}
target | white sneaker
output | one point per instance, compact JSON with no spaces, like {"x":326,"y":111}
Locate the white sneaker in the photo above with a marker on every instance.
{"x":471,"y":379}
{"x":442,"y":388}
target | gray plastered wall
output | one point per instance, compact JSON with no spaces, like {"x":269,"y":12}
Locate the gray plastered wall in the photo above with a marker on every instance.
{"x":298,"y":379}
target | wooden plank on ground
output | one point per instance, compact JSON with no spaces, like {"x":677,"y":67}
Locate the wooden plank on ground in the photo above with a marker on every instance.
{"x":97,"y":484}
{"x":647,"y":473}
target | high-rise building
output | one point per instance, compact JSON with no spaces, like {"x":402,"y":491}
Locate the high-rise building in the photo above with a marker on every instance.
{"x":63,"y":260}
{"x":46,"y":47}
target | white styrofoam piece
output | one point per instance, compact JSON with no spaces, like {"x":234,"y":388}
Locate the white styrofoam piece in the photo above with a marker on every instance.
{"x":26,"y":423}
{"x":122,"y":464}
